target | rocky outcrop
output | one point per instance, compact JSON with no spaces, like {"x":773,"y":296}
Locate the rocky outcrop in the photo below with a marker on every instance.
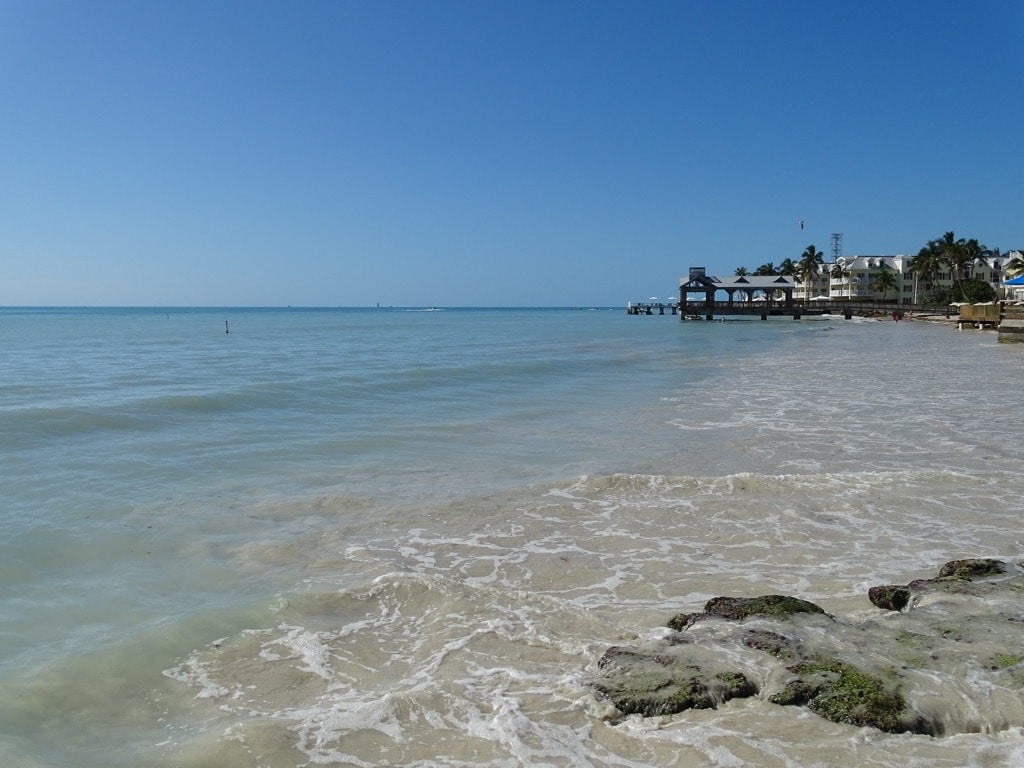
{"x":739,"y":608}
{"x":663,"y":684}
{"x":954,"y":576}
{"x":790,"y":652}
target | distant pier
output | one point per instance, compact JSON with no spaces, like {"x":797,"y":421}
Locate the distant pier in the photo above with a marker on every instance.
{"x":767,"y":296}
{"x":762,"y":296}
{"x":716,"y":310}
{"x":647,"y":308}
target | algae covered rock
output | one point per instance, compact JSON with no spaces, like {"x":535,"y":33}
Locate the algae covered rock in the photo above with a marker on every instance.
{"x":972,"y":569}
{"x":681,"y":621}
{"x":955,"y":576}
{"x":843,"y":693}
{"x":664,"y":683}
{"x":740,"y":608}
{"x":773,"y":643}
{"x":773,"y":606}
{"x":947,"y":662}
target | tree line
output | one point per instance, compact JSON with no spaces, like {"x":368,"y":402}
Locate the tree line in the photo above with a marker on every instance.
{"x":943,"y":255}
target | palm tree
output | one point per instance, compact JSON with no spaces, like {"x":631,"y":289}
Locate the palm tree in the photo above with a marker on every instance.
{"x":766,"y":270}
{"x":928,"y":264}
{"x":1015,"y":266}
{"x":884,"y":281}
{"x":839,"y":272}
{"x":809,"y":266}
{"x":787,"y":267}
{"x":956,"y":254}
{"x":740,"y":271}
{"x":974,"y":254}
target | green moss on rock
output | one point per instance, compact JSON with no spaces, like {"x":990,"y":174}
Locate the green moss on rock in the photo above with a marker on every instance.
{"x":1006,"y":660}
{"x":779,"y":646}
{"x":962,"y":577}
{"x":681,"y":621}
{"x":970,"y":569}
{"x":736,"y":685}
{"x":842,"y":693}
{"x":683,"y":671}
{"x":795,"y":694}
{"x":651,"y":684}
{"x":912,"y":639}
{"x":772,"y":606}
{"x":916,"y":648}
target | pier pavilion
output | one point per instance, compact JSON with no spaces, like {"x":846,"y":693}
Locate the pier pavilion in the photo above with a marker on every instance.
{"x":747,"y":294}
{"x":767,"y":296}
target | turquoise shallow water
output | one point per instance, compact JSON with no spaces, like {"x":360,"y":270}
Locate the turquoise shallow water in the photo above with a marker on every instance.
{"x":129,"y":435}
{"x":208,"y":537}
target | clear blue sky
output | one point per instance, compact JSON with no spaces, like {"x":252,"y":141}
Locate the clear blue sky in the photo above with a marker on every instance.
{"x":515,"y":153}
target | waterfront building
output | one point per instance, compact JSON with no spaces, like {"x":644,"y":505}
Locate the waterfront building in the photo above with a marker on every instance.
{"x":855,"y":278}
{"x":848,"y":278}
{"x":1013,"y":292}
{"x":856,"y":275}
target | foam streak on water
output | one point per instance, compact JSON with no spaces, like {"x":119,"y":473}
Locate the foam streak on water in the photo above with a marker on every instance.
{"x":386,"y":538}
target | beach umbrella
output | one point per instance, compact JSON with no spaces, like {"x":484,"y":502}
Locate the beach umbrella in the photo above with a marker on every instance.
{"x":1019,"y":280}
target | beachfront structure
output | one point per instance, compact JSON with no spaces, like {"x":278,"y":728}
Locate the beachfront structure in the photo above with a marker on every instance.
{"x":815,"y":288}
{"x":855,"y":277}
{"x":847,"y":279}
{"x":772,"y":289}
{"x":1013,"y":281}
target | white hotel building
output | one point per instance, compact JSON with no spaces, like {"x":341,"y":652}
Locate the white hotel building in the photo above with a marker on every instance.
{"x":862,"y":270}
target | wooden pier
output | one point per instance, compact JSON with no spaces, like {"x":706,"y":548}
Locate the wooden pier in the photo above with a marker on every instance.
{"x":1007,"y":318}
{"x":1011,"y":324}
{"x":980,"y":315}
{"x":646,"y":308}
{"x":767,"y":296}
{"x":700,"y":310}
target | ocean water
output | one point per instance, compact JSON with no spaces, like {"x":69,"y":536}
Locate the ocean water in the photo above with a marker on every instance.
{"x":404,"y":538}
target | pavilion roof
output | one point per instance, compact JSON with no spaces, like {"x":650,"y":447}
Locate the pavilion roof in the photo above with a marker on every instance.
{"x":746,"y":282}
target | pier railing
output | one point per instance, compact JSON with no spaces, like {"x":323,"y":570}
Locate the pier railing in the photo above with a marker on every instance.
{"x":970,"y":313}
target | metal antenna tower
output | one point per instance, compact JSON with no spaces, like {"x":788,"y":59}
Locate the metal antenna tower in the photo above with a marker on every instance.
{"x":837,"y":245}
